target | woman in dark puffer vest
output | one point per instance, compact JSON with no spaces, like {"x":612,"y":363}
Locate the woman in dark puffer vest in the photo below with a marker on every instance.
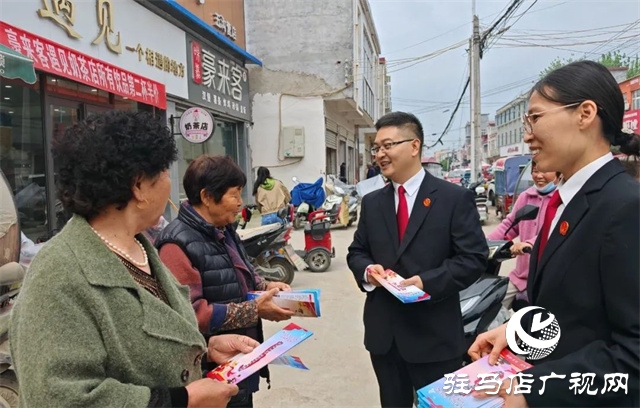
{"x":203,"y":251}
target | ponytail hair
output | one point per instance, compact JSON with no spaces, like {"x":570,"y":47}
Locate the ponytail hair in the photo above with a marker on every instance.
{"x":629,"y":142}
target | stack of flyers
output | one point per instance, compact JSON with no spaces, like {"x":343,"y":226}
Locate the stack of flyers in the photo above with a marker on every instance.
{"x":407,"y":294}
{"x":304,"y":303}
{"x":290,"y":361}
{"x":460,"y":390}
{"x":243,"y":366}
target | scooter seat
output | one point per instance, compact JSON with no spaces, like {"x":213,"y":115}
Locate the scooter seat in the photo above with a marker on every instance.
{"x":246,"y":234}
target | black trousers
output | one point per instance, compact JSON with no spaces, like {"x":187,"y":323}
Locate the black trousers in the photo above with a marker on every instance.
{"x":244,"y":399}
{"x":398,"y":379}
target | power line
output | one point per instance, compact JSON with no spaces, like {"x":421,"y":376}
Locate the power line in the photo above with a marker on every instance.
{"x":520,"y":43}
{"x":453,"y":114}
{"x":629,"y":27}
{"x":559,"y":32}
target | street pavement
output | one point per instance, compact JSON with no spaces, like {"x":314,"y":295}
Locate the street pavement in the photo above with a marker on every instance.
{"x":340,"y":372}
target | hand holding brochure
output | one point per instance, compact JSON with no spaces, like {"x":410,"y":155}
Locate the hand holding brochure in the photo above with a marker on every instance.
{"x":461,"y":391}
{"x":243,"y":366}
{"x":304,"y":303}
{"x":406,"y":294}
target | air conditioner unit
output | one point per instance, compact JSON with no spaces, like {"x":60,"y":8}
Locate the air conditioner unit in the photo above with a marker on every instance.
{"x":293,"y":141}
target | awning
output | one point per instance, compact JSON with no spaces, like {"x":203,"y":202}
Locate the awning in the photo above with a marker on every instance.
{"x":14,"y":65}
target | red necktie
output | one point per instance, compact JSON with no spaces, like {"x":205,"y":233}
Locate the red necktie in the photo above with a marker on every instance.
{"x":549,"y":215}
{"x":402,"y":216}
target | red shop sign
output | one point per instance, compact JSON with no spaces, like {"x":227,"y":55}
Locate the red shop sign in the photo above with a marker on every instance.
{"x":196,"y":54}
{"x":65,"y":62}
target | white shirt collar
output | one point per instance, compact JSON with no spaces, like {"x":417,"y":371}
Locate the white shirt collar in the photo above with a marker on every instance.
{"x":412,"y":185}
{"x":570,"y":188}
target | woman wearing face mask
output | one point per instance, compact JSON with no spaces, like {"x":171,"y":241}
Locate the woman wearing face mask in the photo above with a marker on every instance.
{"x":538,"y":195}
{"x":585,"y":268}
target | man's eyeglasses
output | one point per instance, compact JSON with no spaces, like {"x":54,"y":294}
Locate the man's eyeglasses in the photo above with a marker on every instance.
{"x":386,"y":146}
{"x":528,"y":119}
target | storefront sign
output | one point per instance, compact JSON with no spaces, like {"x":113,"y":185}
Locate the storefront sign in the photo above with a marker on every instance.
{"x":196,"y":125}
{"x":514,"y":150}
{"x":122,"y":33}
{"x":62,"y":12}
{"x":218,"y":81}
{"x":57,"y":59}
{"x":156,"y":59}
{"x":224,"y":26}
{"x":630,"y":120}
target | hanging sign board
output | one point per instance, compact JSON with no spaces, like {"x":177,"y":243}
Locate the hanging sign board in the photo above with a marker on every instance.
{"x":196,"y":125}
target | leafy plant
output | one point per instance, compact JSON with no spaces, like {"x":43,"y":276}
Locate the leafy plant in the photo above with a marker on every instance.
{"x":614,"y":59}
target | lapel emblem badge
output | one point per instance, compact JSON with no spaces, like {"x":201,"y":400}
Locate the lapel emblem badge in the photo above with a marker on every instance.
{"x":427,"y":202}
{"x":564,"y":228}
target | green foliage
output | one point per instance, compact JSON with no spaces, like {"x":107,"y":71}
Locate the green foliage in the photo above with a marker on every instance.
{"x":445,"y":163}
{"x":611,"y":59}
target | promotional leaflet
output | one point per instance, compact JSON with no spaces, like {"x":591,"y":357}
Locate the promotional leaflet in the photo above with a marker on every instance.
{"x":243,"y":366}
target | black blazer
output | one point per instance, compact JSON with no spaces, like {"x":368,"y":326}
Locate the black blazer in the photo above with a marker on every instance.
{"x":444,"y":244}
{"x":588,"y":278}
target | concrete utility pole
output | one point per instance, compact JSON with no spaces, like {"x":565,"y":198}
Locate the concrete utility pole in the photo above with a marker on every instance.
{"x":476,"y":117}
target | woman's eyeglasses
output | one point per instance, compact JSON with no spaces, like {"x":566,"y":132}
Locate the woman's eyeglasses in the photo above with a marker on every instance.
{"x":528,"y":119}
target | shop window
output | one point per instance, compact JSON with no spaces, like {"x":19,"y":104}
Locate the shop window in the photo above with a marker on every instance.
{"x":22,"y":153}
{"x":635,"y":99}
{"x":74,"y":90}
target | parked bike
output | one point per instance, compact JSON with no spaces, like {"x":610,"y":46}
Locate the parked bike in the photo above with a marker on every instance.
{"x":269,"y":250}
{"x":306,"y":198}
{"x":342,"y":202}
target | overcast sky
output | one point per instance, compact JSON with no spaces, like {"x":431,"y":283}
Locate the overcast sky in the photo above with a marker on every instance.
{"x":413,"y":28}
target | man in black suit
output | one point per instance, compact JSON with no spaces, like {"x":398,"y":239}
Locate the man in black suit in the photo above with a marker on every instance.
{"x":430,"y":234}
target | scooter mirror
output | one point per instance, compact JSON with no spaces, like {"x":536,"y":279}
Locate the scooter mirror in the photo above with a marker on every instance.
{"x":528,"y":212}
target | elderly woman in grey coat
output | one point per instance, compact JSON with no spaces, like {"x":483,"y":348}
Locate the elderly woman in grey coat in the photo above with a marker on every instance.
{"x":100,"y":321}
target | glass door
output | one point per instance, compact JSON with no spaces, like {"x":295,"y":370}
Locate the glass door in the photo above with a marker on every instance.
{"x":61,"y":114}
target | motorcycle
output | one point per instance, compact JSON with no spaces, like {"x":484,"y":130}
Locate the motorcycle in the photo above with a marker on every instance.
{"x":269,"y":250}
{"x":481,"y":303}
{"x":306,"y":198}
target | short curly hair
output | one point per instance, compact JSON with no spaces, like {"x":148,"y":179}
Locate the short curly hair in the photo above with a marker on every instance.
{"x":99,"y":160}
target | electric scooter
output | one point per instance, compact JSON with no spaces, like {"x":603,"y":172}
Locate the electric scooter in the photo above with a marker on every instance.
{"x":481,"y":303}
{"x":269,"y":250}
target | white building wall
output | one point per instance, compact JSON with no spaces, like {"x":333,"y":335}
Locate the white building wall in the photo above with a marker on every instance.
{"x":305,"y":37}
{"x":265,"y":133}
{"x":311,"y":51}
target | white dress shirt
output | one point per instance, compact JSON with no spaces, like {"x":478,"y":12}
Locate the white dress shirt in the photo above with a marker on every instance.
{"x":411,"y":188}
{"x":568,"y":189}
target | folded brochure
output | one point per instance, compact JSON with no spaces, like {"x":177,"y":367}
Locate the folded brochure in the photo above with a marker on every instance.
{"x":243,"y":366}
{"x":406,"y":294}
{"x":304,"y":303}
{"x":461,"y":391}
